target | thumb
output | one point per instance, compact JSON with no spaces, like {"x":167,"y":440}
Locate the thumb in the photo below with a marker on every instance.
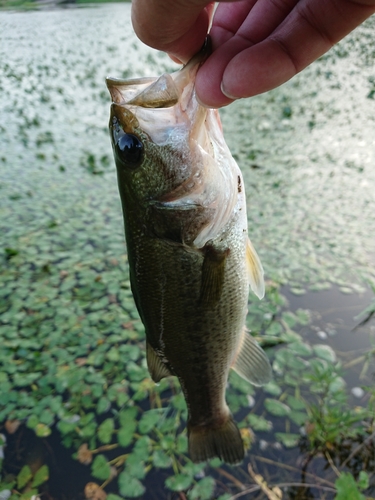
{"x":176,"y":27}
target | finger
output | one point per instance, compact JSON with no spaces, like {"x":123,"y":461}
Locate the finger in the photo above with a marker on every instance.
{"x":210,"y":75}
{"x":176,"y":27}
{"x":307,"y":32}
{"x":236,"y":26}
{"x":253,"y":19}
{"x":228,"y":19}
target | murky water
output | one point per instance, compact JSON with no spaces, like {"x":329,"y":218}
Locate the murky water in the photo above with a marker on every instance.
{"x":307,"y":151}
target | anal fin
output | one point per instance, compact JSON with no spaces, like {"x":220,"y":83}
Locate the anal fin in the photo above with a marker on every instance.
{"x":254,"y":270}
{"x":156,"y":367}
{"x":251,"y":362}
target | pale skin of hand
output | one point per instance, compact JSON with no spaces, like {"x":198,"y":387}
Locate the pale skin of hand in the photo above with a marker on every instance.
{"x":258,"y":44}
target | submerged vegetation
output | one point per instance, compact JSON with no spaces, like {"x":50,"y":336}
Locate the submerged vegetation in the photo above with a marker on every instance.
{"x":72,"y":358}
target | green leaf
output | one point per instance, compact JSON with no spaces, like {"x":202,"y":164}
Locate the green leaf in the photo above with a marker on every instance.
{"x":130,"y":486}
{"x":32,"y":422}
{"x":295,"y":403}
{"x":215,"y":462}
{"x":325,"y":352}
{"x":125,"y":434}
{"x":41,"y":476}
{"x":347,"y":488}
{"x":42,"y":430}
{"x":112,"y":496}
{"x":288,"y":439}
{"x":203,"y":490}
{"x":103,"y":405}
{"x":180,"y":482}
{"x":105,"y":430}
{"x":276,"y":407}
{"x":23,"y":477}
{"x":300,"y":348}
{"x":274,"y":329}
{"x":148,"y":421}
{"x":126,"y":416}
{"x":100,"y":468}
{"x":259,"y":423}
{"x":161,"y":459}
{"x":142,"y":448}
{"x":272,"y":388}
{"x":298,"y":417}
{"x":135,"y":466}
{"x":182,"y":443}
{"x":363,"y":480}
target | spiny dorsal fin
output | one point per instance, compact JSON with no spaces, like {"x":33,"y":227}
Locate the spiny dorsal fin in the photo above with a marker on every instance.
{"x":254,"y":270}
{"x":251,"y":362}
{"x":213,"y":270}
{"x":161,"y":94}
{"x":156,"y":367}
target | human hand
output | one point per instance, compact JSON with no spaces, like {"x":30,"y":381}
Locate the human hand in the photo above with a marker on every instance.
{"x":257,"y":44}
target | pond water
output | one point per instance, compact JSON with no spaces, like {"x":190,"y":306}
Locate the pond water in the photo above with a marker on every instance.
{"x":72,"y":365}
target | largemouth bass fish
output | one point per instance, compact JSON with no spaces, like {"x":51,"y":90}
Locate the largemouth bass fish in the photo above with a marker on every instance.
{"x":191,"y":262}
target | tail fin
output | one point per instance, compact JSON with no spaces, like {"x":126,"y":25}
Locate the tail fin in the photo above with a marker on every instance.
{"x":225,"y":442}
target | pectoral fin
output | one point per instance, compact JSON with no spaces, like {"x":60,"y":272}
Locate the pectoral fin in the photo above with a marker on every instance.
{"x":254,"y":270}
{"x":213,"y":270}
{"x":251,"y":362}
{"x":156,"y":367}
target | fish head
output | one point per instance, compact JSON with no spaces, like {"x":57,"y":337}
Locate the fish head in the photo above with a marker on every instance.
{"x":170,"y":152}
{"x":153,"y":123}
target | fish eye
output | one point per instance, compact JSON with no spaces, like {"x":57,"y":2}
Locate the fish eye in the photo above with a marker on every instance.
{"x":130,"y":150}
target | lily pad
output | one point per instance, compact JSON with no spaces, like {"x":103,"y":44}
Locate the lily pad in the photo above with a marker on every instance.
{"x":325,"y":352}
{"x":129,"y":486}
{"x":105,"y":430}
{"x":276,"y":407}
{"x":179,"y":482}
{"x":203,"y":489}
{"x":289,"y":440}
{"x":100,"y":468}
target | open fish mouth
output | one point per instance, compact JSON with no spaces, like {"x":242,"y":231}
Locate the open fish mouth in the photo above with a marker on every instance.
{"x":174,"y":97}
{"x":158,"y":92}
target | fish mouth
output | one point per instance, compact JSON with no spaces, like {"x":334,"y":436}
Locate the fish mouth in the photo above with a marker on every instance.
{"x":158,"y":92}
{"x":180,"y":117}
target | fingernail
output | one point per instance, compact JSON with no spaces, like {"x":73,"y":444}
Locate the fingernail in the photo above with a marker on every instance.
{"x":227,"y":94}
